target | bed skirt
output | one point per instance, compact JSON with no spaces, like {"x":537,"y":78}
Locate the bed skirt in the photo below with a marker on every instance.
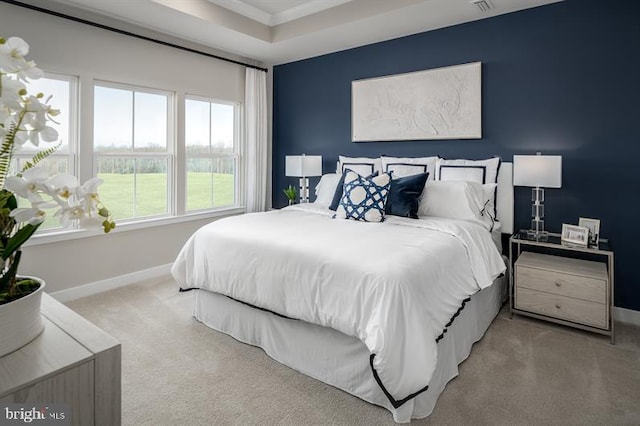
{"x":343,"y":361}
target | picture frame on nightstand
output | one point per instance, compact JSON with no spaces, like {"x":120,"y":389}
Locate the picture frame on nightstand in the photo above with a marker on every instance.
{"x":593,"y":225}
{"x":575,"y":235}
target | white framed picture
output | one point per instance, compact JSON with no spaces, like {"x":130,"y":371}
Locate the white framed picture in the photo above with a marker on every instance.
{"x":577,"y":235}
{"x":593,"y":225}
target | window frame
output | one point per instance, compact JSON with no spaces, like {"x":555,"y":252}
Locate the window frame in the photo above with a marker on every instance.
{"x":237,"y":154}
{"x":169,"y":155}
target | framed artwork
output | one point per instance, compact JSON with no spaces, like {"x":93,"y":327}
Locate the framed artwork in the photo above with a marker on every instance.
{"x":593,"y":225}
{"x":576,"y":235}
{"x":441,"y":103}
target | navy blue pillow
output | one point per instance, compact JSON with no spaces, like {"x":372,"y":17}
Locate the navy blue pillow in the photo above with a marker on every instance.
{"x":404,"y":195}
{"x":338,"y":194}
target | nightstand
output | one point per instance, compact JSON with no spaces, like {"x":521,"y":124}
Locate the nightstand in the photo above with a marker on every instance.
{"x":561,"y":283}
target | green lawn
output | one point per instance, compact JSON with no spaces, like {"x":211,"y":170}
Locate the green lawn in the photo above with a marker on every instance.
{"x":206,"y":190}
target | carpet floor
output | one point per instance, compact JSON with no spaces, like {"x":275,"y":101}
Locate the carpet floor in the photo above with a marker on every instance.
{"x":176,"y":371}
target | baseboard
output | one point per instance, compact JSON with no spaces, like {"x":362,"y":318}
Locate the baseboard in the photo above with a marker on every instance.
{"x":628,"y":316}
{"x":110,"y":283}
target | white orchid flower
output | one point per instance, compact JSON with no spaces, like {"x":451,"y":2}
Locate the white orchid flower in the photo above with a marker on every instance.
{"x":32,"y":215}
{"x":71,"y":214}
{"x":30,"y":185}
{"x":29,"y":71}
{"x":11,"y":92}
{"x":62,"y":187}
{"x":87,"y":194}
{"x":12,"y":53}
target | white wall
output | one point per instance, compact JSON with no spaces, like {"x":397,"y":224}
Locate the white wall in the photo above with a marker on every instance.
{"x":63,"y":46}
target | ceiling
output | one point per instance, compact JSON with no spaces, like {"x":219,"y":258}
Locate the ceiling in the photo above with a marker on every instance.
{"x":280,"y":31}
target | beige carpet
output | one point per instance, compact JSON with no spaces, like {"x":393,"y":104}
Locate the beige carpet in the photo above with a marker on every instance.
{"x":175,"y":371}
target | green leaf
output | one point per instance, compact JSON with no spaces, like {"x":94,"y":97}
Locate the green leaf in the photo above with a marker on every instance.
{"x":6,"y":278}
{"x":40,"y":156}
{"x":15,"y":242}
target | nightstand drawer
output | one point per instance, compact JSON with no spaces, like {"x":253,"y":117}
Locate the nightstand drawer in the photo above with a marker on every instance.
{"x":591,"y":289}
{"x":576,"y":310}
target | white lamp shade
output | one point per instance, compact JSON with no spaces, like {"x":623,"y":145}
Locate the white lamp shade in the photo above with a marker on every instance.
{"x":543,"y":171}
{"x":303,"y":165}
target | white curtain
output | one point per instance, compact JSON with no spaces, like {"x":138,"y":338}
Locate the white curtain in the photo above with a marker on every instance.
{"x":256,"y":132}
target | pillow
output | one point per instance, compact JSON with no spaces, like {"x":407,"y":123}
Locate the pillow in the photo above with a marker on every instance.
{"x":404,"y":195}
{"x":480,"y":171}
{"x":326,"y":189}
{"x":364,"y":199}
{"x":364,"y":166}
{"x":337,"y":195}
{"x":406,"y":166}
{"x":455,"y":200}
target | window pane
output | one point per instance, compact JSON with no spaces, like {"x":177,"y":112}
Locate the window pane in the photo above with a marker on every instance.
{"x":223,"y":182}
{"x":210,"y":183}
{"x":151,"y":187}
{"x":112,"y":119}
{"x":117,"y":191}
{"x":222,"y":126}
{"x":197,"y":127}
{"x":134,"y":188}
{"x":60,"y":92}
{"x":150,"y":125}
{"x":199,"y":184}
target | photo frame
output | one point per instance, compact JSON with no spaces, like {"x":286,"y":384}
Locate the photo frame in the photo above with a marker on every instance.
{"x":593,"y":225}
{"x":575,"y":235}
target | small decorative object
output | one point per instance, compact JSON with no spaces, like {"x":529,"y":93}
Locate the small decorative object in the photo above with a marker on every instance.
{"x":23,"y":120}
{"x":290,"y":192}
{"x":593,"y":225}
{"x":537,"y":171}
{"x":575,"y":235}
{"x":303,"y":166}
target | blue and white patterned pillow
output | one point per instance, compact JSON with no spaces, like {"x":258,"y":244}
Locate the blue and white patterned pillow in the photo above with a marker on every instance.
{"x":364,"y":198}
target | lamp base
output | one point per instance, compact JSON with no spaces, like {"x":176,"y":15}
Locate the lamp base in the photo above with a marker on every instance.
{"x":534,"y":235}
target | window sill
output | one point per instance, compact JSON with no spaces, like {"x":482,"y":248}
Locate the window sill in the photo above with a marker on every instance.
{"x":74,"y":234}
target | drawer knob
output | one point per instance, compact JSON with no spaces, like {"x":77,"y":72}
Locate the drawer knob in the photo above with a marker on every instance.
{"x":557,"y":306}
{"x":558,"y":283}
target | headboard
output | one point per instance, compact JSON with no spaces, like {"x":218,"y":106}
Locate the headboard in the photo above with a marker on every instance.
{"x":504,"y":197}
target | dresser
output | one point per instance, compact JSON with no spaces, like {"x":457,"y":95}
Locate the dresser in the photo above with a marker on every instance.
{"x":564,"y":284}
{"x":71,"y":364}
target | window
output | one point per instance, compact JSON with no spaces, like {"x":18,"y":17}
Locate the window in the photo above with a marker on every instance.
{"x":133,"y":149}
{"x":211,"y":154}
{"x":62,"y":90}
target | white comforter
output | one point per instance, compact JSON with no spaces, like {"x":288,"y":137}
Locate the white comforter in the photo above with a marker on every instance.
{"x":393,"y":285}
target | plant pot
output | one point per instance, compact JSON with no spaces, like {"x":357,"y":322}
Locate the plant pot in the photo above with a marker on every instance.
{"x":20,"y":320}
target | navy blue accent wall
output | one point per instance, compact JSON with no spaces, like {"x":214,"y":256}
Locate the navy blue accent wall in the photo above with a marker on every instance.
{"x":561,"y":79}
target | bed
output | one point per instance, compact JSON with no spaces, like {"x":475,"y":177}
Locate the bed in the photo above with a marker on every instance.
{"x":345,"y":301}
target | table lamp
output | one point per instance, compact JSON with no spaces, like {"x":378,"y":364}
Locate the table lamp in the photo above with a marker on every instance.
{"x":303,"y":166}
{"x":538,"y":172}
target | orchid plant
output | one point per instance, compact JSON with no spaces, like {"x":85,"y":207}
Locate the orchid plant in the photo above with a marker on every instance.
{"x":24,"y":119}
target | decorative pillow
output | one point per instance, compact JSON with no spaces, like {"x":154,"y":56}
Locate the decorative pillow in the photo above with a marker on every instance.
{"x":407,"y":166}
{"x":404,"y":195}
{"x":326,"y":189}
{"x":480,"y":171}
{"x":364,"y":166}
{"x":337,"y":195}
{"x":364,"y":199}
{"x":455,"y":200}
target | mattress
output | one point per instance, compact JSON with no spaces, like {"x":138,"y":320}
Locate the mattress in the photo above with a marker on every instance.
{"x":344,"y":361}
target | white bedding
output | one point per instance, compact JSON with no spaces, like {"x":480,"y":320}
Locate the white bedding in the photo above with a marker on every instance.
{"x":393,"y":285}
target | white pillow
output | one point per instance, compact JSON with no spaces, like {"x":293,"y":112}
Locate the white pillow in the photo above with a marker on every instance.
{"x":407,"y":166}
{"x":364,"y":166}
{"x":326,"y":188}
{"x":364,"y":199}
{"x":481,"y":171}
{"x":456,"y":200}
